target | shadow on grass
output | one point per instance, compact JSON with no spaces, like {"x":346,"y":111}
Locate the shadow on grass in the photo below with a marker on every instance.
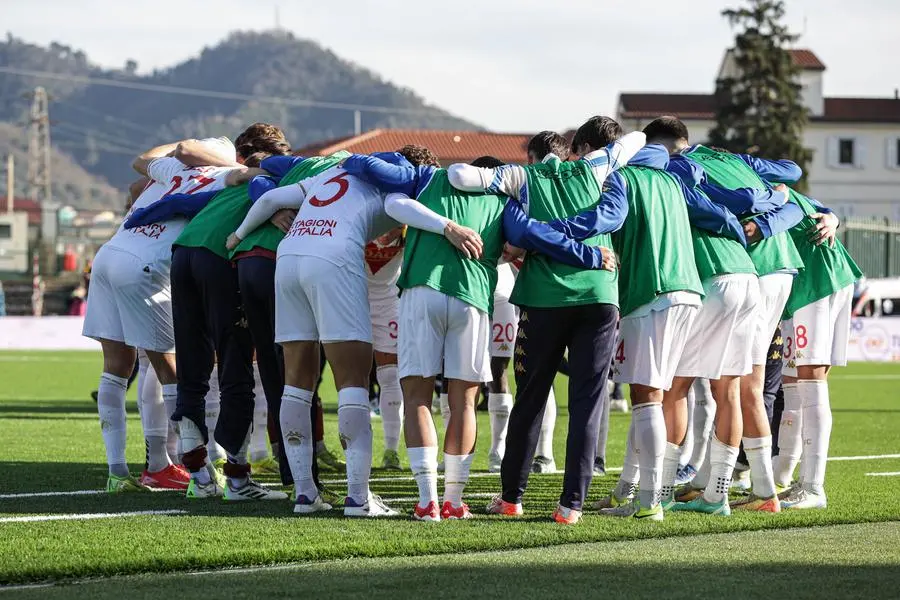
{"x":53,"y":407}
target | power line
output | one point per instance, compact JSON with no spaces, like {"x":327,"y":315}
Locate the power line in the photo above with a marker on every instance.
{"x":170,"y":89}
{"x":101,"y":137}
{"x":110,"y":119}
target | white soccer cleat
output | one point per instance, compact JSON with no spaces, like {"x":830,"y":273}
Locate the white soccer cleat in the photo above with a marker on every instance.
{"x":305,"y":506}
{"x":620,"y":405}
{"x":543,"y":464}
{"x":804,"y":499}
{"x":251,"y":491}
{"x":203,"y":490}
{"x":494,"y":462}
{"x":374,"y":507}
{"x":740,"y":482}
{"x":633,"y":509}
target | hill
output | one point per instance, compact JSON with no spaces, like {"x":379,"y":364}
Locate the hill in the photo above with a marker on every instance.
{"x":101,"y":127}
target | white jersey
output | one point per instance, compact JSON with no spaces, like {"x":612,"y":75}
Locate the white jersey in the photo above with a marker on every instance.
{"x":383,"y":264}
{"x":506,"y":281}
{"x":339,"y":215}
{"x":153,"y":243}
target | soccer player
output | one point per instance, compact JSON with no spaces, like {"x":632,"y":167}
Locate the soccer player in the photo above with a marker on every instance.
{"x":561,"y":307}
{"x":444,"y":313}
{"x":129,"y":303}
{"x":817,"y":331}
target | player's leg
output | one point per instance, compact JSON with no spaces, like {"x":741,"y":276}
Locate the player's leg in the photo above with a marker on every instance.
{"x":391,"y":403}
{"x":500,"y":403}
{"x":603,"y":433}
{"x":675,"y":413}
{"x":325,"y":458}
{"x":261,"y":460}
{"x":543,"y":457}
{"x":159,"y":470}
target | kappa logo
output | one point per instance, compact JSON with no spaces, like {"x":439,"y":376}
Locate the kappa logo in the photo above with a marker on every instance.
{"x":520,"y":351}
{"x":524,"y":318}
{"x":522,"y":335}
{"x":504,"y":347}
{"x":520,"y":368}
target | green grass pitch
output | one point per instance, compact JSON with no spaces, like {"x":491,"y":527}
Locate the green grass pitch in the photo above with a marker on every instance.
{"x":51,"y":447}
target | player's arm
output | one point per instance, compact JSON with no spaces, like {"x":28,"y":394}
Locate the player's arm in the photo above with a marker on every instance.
{"x":705,"y":214}
{"x":242,"y":175}
{"x":170,"y":207}
{"x":740,"y":202}
{"x":773,"y":222}
{"x":827,"y":223}
{"x":505,"y":180}
{"x":197,"y":153}
{"x":141,"y":164}
{"x":290,"y":196}
{"x":388,"y":177}
{"x":137,"y":188}
{"x":606,"y":216}
{"x":280,"y":165}
{"x":530,"y":234}
{"x":774,"y":171}
{"x":616,"y":155}
{"x":404,"y":209}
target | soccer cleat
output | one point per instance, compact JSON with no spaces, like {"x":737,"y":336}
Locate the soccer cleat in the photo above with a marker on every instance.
{"x":219,"y":464}
{"x":804,"y":499}
{"x":785,"y":492}
{"x":305,"y":506}
{"x":566,"y":516}
{"x":740,"y":482}
{"x":173,"y":477}
{"x":391,"y":461}
{"x":599,"y":467}
{"x":429,"y":514}
{"x":701,"y":505}
{"x":124,"y":485}
{"x":633,"y":509}
{"x":667,"y":502}
{"x":251,"y":491}
{"x":329,"y":462}
{"x":757,"y":504}
{"x":612,"y":501}
{"x":620,"y":405}
{"x":685,"y":475}
{"x":267,"y":465}
{"x":452,"y":513}
{"x":494,"y":462}
{"x":373,"y":507}
{"x":687,"y":492}
{"x":499,"y":506}
{"x":203,"y":490}
{"x":543,"y":464}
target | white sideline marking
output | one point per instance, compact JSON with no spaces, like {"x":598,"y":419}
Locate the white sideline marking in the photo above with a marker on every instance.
{"x":416,"y":498}
{"x":872,"y":457}
{"x":874,"y":376}
{"x":89,"y":516}
{"x":887,"y":474}
{"x":72,"y":493}
{"x":440,"y":476}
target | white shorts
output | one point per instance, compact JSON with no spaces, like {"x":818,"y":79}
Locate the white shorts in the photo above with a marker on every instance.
{"x":314,"y":300}
{"x":719,"y":341}
{"x":774,"y":290}
{"x":385,"y":312}
{"x":651,"y":344}
{"x":504,"y":327}
{"x":129,"y":301}
{"x":438,"y":329}
{"x":818,"y":333}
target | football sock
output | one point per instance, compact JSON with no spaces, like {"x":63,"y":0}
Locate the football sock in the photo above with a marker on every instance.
{"x":237,"y":468}
{"x":456,"y":476}
{"x":423,"y":463}
{"x":687,"y":446}
{"x":548,"y":424}
{"x":391,"y":404}
{"x":499,"y":407}
{"x":154,"y":421}
{"x":702,"y":478}
{"x":669,"y":469}
{"x":355,"y":426}
{"x":111,"y":408}
{"x":297,"y":432}
{"x":603,"y":432}
{"x":650,"y":446}
{"x":259,"y":435}
{"x":721,"y":462}
{"x":213,"y":406}
{"x":759,"y":455}
{"x":173,"y":443}
{"x":630,"y":475}
{"x":790,"y":438}
{"x":445,"y":412}
{"x":816,"y":428}
{"x":703,"y":420}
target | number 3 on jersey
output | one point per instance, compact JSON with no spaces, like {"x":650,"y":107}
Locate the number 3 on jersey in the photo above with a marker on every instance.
{"x":343,"y":184}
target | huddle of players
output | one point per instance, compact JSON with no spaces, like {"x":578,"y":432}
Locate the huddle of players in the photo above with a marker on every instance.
{"x":300,"y":279}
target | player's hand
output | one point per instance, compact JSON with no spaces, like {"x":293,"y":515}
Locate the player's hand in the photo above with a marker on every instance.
{"x":610,"y":260}
{"x":283,"y":219}
{"x":512,"y":253}
{"x":752,"y":232}
{"x":464,"y":239}
{"x":825,"y":228}
{"x":232,"y":242}
{"x":784,"y":190}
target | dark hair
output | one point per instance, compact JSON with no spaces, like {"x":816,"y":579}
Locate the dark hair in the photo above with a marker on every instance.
{"x":597,"y":132}
{"x":548,"y":142}
{"x":487,"y":162}
{"x":256,"y":158}
{"x":419,"y":155}
{"x":666,"y":128}
{"x":261,"y":137}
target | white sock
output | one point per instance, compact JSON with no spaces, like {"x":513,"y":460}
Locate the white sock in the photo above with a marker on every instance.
{"x":445,"y":412}
{"x":143,"y":366}
{"x":631,"y":470}
{"x":721,"y":463}
{"x":456,"y":476}
{"x":704,"y":418}
{"x":154,"y":421}
{"x":759,"y":456}
{"x":259,"y":435}
{"x":499,"y":407}
{"x":603,"y":430}
{"x":423,"y":463}
{"x":113,"y":421}
{"x":669,"y":469}
{"x":297,"y":432}
{"x":687,"y":446}
{"x":355,"y":426}
{"x":816,"y":429}
{"x":790,"y":438}
{"x":191,"y":439}
{"x":548,"y":424}
{"x":701,"y":480}
{"x":173,"y":441}
{"x":213,"y":405}
{"x":391,"y":404}
{"x":650,"y":446}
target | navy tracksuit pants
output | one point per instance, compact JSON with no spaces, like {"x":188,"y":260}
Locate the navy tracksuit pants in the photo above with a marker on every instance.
{"x":589,"y":333}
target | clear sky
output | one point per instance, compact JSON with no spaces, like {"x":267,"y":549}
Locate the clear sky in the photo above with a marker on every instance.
{"x":510,"y":65}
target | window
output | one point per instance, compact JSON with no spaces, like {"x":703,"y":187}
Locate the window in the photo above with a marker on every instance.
{"x":896,"y":153}
{"x":893,"y":153}
{"x":5,"y":231}
{"x":846,"y":153}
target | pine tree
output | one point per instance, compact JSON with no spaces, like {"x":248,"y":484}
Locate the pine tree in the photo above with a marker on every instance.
{"x":760,"y":110}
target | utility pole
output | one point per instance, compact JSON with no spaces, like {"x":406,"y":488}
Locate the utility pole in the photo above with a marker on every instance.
{"x":357,"y":122}
{"x":39,"y":176}
{"x":10,"y":183}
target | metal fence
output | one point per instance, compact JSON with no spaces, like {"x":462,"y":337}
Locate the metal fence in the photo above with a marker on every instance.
{"x":874,"y":244}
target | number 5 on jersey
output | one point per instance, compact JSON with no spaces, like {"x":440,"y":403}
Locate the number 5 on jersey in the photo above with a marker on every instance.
{"x":343,"y":184}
